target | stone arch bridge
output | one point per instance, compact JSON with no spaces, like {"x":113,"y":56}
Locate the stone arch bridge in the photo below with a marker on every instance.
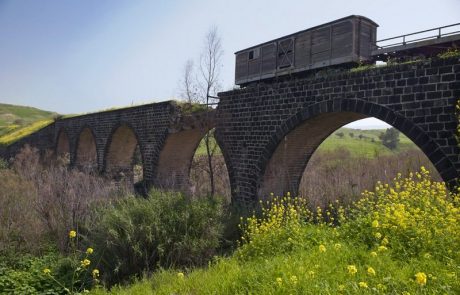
{"x":268,"y":131}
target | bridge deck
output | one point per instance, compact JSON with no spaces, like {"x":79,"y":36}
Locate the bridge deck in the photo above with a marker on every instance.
{"x":427,"y":43}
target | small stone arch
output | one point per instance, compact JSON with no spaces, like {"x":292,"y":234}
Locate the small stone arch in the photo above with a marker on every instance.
{"x":284,"y":159}
{"x":119,"y":151}
{"x":176,"y":157}
{"x":62,"y":143}
{"x":86,"y":150}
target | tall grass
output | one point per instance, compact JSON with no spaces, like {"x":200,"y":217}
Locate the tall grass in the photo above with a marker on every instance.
{"x":340,"y":175}
{"x":49,"y":199}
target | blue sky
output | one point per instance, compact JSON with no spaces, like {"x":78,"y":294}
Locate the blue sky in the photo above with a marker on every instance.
{"x":75,"y":56}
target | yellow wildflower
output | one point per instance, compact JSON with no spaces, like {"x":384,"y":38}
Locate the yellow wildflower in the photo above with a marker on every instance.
{"x":352,"y":269}
{"x":95,"y":273}
{"x":371,"y":271}
{"x":375,"y":223}
{"x":337,"y":246}
{"x":89,"y":251}
{"x":85,"y":262}
{"x":47,"y":271}
{"x":377,"y":235}
{"x":322,"y":248}
{"x":420,"y":278}
{"x":279,"y":281}
{"x":374,"y":254}
{"x":341,"y":287}
{"x":72,"y":234}
{"x":385,"y":241}
{"x":382,"y":248}
{"x":180,"y":275}
{"x":362,"y":284}
{"x":294,"y":280}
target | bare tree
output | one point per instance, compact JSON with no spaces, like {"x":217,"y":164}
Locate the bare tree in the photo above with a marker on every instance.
{"x":189,"y":88}
{"x":210,"y":65}
{"x":203,"y":88}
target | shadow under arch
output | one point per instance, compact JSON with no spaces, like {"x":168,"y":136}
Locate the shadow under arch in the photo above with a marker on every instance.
{"x":177,"y":155}
{"x":86,"y":150}
{"x":62,"y":146}
{"x":120,"y":150}
{"x":284,"y":159}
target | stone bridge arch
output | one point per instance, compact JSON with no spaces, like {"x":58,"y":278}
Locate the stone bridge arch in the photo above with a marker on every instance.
{"x":86,"y":150}
{"x":62,"y":143}
{"x":285,"y":158}
{"x":119,"y":151}
{"x":178,"y":149}
{"x":175,"y":158}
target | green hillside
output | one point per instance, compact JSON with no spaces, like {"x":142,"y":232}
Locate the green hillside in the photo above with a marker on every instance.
{"x":361,"y":143}
{"x":18,"y":121}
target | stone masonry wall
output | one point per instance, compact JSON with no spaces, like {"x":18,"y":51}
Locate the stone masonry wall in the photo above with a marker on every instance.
{"x":417,"y":98}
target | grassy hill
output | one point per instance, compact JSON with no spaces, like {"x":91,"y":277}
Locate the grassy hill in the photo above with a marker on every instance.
{"x":18,"y":121}
{"x":358,"y":142}
{"x":363,"y":142}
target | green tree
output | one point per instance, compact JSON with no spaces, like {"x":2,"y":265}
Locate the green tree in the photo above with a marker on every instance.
{"x":390,"y":138}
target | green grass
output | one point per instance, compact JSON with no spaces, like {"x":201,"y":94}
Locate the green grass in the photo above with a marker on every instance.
{"x":369,"y":145}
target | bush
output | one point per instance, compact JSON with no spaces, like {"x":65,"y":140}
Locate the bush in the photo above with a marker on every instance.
{"x":25,"y":275}
{"x":167,"y":229}
{"x":59,"y":197}
{"x":21,"y":228}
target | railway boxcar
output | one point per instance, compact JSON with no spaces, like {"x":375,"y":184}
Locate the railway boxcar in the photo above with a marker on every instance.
{"x":346,"y":40}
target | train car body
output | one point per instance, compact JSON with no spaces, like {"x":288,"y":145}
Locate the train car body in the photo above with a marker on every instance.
{"x":346,"y":40}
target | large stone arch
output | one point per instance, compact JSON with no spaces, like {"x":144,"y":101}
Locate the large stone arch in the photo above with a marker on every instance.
{"x":119,"y":151}
{"x":284,"y":159}
{"x":86,"y":150}
{"x":62,"y":147}
{"x":176,"y":157}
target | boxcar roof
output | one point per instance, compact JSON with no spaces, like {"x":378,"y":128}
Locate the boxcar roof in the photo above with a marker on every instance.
{"x":312,"y":28}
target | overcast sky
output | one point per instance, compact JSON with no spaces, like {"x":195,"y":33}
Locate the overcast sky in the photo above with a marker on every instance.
{"x":73,"y":56}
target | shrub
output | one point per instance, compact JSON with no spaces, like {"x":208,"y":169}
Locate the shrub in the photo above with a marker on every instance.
{"x":25,"y":276}
{"x":167,"y":229}
{"x":21,"y":228}
{"x":60,"y":197}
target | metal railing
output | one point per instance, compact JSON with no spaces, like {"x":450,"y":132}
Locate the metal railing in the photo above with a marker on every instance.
{"x":404,"y":38}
